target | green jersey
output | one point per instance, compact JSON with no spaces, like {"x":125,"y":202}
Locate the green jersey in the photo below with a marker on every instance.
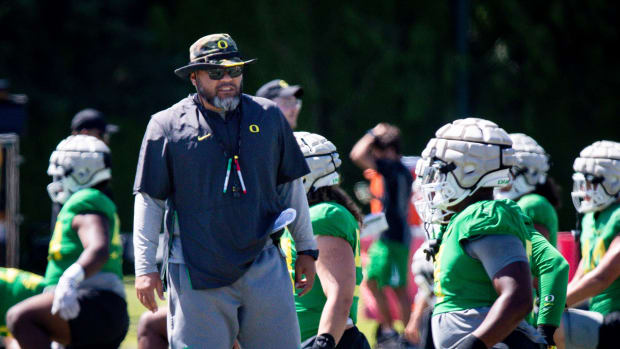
{"x":65,"y":246}
{"x":328,"y":219}
{"x":551,"y":269}
{"x":541,"y":212}
{"x":598,"y":230}
{"x":461,"y":281}
{"x":15,"y":286}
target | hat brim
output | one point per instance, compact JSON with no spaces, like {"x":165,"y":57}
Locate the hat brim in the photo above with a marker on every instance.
{"x":294,"y":90}
{"x":184,"y":72}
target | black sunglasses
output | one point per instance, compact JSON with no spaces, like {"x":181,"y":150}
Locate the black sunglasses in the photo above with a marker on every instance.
{"x":218,"y":73}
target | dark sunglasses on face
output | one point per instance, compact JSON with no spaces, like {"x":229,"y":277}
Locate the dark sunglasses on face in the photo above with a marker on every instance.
{"x":218,"y":73}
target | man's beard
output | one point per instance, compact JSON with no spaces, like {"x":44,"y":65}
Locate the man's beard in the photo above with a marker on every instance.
{"x":226,"y":104}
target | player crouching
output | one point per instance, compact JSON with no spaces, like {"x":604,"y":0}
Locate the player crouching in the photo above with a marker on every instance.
{"x":83,"y":304}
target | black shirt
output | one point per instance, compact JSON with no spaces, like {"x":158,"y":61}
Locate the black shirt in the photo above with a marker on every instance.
{"x":183,"y":159}
{"x":397,"y":182}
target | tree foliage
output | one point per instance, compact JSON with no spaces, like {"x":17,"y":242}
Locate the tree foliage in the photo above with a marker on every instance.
{"x":548,"y":69}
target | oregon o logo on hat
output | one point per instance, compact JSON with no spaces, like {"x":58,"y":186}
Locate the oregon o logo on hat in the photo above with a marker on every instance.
{"x":254,"y":128}
{"x":222,"y":44}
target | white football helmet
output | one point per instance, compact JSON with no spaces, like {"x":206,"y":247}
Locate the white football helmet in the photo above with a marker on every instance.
{"x":322,"y":159}
{"x":79,"y":162}
{"x":532,"y":164}
{"x":596,"y":182}
{"x":466,"y":155}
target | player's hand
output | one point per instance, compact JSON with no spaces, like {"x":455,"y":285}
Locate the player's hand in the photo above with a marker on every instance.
{"x":145,"y":286}
{"x":412,"y":334}
{"x":547,"y":331}
{"x":304,"y":265}
{"x":65,"y":295}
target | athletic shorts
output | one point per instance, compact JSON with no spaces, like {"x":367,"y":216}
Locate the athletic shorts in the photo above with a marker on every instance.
{"x":103,"y":320}
{"x":581,"y":328}
{"x":388,"y":263}
{"x":351,"y":339}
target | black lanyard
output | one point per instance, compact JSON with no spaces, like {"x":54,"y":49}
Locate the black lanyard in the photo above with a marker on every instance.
{"x":232,"y":159}
{"x":215,"y":135}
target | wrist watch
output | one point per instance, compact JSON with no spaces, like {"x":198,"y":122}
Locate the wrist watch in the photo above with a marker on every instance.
{"x":312,"y":253}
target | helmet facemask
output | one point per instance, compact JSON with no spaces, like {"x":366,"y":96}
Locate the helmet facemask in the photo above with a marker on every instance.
{"x":439,"y":189}
{"x":78,"y":162}
{"x":596,"y":182}
{"x":322,"y":159}
{"x":436,"y":190}
{"x":589,"y":195}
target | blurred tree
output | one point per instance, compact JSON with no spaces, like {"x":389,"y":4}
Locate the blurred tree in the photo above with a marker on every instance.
{"x":547,"y":69}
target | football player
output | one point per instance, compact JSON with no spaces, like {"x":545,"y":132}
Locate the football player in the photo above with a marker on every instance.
{"x":482,"y":275}
{"x":83,"y":304}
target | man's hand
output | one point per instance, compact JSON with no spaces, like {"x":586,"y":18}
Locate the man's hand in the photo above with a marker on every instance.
{"x":145,"y":285}
{"x":304,"y":265}
{"x":380,"y":129}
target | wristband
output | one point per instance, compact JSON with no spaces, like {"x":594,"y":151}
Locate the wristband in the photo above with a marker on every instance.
{"x":370,"y":132}
{"x":312,"y":253}
{"x":471,"y":342}
{"x":547,"y":332}
{"x":324,"y":341}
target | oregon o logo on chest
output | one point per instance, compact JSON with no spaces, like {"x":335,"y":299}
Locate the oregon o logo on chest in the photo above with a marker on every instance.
{"x":254,"y":128}
{"x":222,"y":44}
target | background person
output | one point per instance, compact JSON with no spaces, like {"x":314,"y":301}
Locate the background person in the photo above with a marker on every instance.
{"x":482,"y":274}
{"x":379,"y":149}
{"x":328,"y":313}
{"x":287,"y":97}
{"x":531,"y":188}
{"x":418,"y":329}
{"x":15,"y":286}
{"x":596,"y":192}
{"x":223,"y":263}
{"x":83,"y":304}
{"x":92,"y":122}
{"x":89,"y":122}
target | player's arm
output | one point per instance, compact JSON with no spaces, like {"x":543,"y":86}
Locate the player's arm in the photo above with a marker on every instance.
{"x":293,"y":194}
{"x":148,"y":216}
{"x":336,"y":269}
{"x":505,"y":260}
{"x":598,"y":279}
{"x":93,"y":230}
{"x":552,"y":273}
{"x":579,"y":273}
{"x":542,"y":229}
{"x":361,"y":154}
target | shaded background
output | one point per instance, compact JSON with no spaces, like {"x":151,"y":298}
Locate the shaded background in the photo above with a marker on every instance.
{"x":548,"y":69}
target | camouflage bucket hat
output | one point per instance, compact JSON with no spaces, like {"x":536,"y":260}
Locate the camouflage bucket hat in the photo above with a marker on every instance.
{"x":212,"y":51}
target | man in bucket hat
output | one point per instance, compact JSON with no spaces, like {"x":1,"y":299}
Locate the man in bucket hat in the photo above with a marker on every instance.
{"x":219,"y":167}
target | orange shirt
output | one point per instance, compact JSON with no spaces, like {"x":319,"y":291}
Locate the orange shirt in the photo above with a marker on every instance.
{"x":376,"y":190}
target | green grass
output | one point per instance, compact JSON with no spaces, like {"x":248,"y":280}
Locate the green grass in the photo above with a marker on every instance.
{"x":135,"y":310}
{"x":365,"y":325}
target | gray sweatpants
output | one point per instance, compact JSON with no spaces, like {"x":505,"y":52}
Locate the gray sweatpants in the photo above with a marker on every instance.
{"x":258,"y":309}
{"x":581,"y":328}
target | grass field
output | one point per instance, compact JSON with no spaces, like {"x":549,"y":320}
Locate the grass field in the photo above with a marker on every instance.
{"x":367,"y":326}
